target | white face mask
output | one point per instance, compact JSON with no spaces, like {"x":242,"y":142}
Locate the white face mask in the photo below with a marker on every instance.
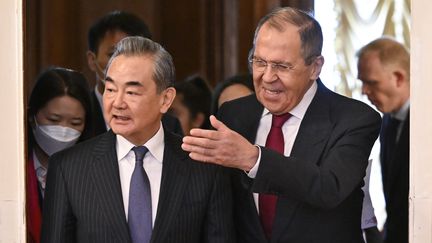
{"x":53,"y":138}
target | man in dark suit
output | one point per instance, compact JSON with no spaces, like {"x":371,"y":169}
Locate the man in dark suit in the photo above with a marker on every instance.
{"x":95,"y":191}
{"x":384,"y":69}
{"x":301,"y":150}
{"x":102,"y":37}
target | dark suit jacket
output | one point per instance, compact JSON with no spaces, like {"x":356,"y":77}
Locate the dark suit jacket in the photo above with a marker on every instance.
{"x":169,"y":122}
{"x":395,"y":175}
{"x":319,"y":184}
{"x":83,"y":200}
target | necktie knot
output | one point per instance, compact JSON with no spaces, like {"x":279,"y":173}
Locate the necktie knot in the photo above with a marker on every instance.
{"x":279,"y":120}
{"x":140,"y":152}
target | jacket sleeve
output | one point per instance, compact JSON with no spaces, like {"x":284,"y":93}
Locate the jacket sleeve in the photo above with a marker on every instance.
{"x":339,"y":167}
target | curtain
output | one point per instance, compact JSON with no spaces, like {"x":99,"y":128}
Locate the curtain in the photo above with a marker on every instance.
{"x":359,"y":23}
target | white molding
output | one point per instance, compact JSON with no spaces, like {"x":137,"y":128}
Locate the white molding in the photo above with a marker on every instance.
{"x":12,"y":219}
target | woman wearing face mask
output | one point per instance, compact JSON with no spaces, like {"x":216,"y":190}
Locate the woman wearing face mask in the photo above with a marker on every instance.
{"x":58,"y":117}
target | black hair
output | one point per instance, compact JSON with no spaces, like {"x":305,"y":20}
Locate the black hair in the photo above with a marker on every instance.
{"x":243,"y":79}
{"x":56,"y":82}
{"x":116,"y":21}
{"x":196,"y":97}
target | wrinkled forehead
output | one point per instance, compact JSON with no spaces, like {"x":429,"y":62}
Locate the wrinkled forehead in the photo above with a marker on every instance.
{"x":278,"y":43}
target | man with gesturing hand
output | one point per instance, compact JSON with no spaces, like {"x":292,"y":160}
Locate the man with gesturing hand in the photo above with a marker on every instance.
{"x":299,"y":150}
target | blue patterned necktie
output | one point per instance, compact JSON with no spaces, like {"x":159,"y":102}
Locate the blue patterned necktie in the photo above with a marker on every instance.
{"x":140,"y":207}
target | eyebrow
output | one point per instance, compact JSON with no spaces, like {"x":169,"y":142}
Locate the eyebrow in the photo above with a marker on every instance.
{"x":133,"y":83}
{"x":275,"y":62}
{"x":129,"y":83}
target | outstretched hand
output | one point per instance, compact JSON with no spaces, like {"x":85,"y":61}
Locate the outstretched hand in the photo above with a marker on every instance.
{"x":222,"y":146}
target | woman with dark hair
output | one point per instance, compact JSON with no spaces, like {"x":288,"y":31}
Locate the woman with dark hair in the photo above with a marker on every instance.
{"x":58,"y":117}
{"x":192,"y":103}
{"x":232,"y":88}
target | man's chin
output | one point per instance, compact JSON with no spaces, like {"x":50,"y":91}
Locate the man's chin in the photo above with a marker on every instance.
{"x":120,"y":131}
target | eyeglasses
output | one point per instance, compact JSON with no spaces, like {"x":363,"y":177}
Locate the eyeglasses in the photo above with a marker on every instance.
{"x":260,"y":65}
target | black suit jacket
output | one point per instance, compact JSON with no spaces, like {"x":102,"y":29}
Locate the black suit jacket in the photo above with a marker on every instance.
{"x":169,"y":122}
{"x":319,"y":184}
{"x":83,"y":199}
{"x":395,"y":175}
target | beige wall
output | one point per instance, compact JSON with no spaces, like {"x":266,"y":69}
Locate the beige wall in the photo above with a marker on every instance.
{"x":11,"y":124}
{"x":421,"y":123}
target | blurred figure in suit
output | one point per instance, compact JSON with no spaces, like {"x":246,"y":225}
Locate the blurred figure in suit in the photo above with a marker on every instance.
{"x":384,"y":69}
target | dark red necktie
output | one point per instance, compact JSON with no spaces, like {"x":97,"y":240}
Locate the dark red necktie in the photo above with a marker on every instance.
{"x":267,"y":202}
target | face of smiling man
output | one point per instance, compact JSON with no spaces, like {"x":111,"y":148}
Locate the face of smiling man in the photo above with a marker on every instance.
{"x":133,"y":107}
{"x":281,"y":90}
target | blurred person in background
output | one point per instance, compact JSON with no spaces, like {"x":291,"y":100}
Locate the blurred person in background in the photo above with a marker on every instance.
{"x":384,"y":70}
{"x":58,"y":117}
{"x":231,"y":88}
{"x":192,"y":103}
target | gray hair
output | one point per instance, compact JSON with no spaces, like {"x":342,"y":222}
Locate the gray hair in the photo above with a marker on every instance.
{"x":309,"y":30}
{"x":164,"y":71}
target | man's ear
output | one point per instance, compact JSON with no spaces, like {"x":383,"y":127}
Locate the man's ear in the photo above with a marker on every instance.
{"x":167,"y":99}
{"x":401,"y":77}
{"x":316,"y":67}
{"x":91,"y":59}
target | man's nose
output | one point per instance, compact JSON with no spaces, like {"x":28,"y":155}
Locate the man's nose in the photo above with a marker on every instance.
{"x":269,"y":75}
{"x":119,"y":100}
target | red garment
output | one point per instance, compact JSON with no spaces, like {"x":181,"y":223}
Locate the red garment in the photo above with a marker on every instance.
{"x":267,"y":202}
{"x":33,"y":207}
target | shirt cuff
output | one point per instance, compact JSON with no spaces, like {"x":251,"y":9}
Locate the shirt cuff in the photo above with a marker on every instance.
{"x":252,"y":173}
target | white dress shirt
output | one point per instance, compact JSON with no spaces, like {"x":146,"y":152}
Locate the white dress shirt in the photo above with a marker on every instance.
{"x":41,"y":173}
{"x":152,"y":166}
{"x":289,"y":129}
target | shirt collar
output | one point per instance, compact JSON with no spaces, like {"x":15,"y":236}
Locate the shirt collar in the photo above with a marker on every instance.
{"x":155,"y":145}
{"x":402,"y":113}
{"x":300,"y":109}
{"x":37,"y":162}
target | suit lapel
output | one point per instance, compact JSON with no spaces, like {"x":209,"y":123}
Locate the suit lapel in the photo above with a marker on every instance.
{"x":175,"y":175}
{"x":107,"y":181}
{"x":315,"y":128}
{"x":309,"y":143}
